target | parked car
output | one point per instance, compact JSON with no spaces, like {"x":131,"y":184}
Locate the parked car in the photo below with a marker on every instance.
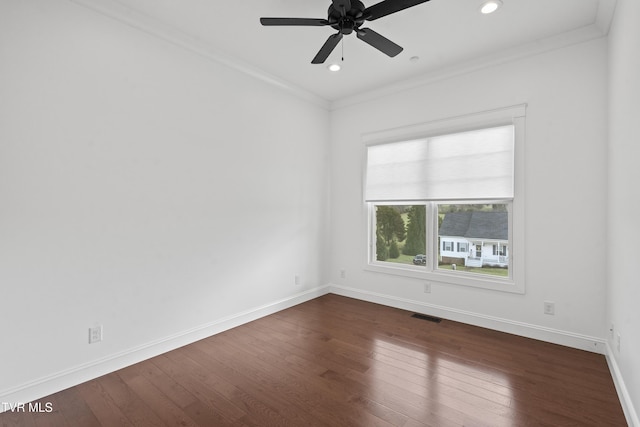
{"x":420,"y":259}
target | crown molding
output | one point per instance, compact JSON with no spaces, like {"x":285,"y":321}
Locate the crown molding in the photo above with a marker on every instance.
{"x":580,"y":35}
{"x":604,"y":16}
{"x":116,"y":10}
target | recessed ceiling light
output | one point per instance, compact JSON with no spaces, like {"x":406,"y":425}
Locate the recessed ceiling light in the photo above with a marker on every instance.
{"x":334,"y":67}
{"x":414,"y":59}
{"x":490,"y":6}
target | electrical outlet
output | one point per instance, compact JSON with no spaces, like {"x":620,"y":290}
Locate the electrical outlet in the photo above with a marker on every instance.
{"x":343,"y":274}
{"x":427,"y":287}
{"x":618,"y":342}
{"x":611,"y":329}
{"x":95,"y":334}
{"x":549,"y":308}
{"x":296,"y":280}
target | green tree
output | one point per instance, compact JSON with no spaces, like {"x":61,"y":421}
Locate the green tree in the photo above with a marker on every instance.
{"x":389,"y":224}
{"x":382,"y":252}
{"x":416,"y":233}
{"x":394,"y":251}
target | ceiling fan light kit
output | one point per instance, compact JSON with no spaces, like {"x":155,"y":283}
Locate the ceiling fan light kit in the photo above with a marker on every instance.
{"x":348,"y":16}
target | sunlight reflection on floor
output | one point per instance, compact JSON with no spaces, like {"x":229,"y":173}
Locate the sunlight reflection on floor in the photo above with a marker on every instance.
{"x":447,"y":386}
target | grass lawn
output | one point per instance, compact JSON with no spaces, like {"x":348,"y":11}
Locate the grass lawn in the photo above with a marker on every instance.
{"x":402,"y":259}
{"x":493,"y":271}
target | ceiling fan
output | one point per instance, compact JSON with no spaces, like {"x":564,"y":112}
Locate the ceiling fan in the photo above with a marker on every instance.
{"x":348,"y":16}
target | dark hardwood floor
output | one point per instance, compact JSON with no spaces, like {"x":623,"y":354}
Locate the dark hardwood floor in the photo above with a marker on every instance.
{"x":336,"y":361}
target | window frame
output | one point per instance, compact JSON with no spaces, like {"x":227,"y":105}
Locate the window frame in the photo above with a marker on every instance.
{"x":515,"y":282}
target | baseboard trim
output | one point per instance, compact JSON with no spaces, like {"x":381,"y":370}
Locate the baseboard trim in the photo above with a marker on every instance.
{"x":623,"y":393}
{"x":50,"y":384}
{"x":54,"y":383}
{"x":555,"y":336}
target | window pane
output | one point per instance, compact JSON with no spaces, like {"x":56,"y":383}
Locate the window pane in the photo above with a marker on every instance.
{"x":480,"y":232}
{"x":401,"y":234}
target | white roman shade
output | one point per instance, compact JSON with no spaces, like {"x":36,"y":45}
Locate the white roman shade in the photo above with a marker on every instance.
{"x":474,"y":165}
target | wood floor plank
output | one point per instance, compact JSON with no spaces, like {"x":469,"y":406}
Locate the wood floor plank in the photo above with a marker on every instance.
{"x":205,"y":386}
{"x":131,"y":405}
{"x":165,"y":383}
{"x":298,"y":393}
{"x":244,"y":391}
{"x":336,"y":361}
{"x":77,"y":413}
{"x":101,"y":404}
{"x":11,"y":419}
{"x":160,"y":403}
{"x":319,"y":389}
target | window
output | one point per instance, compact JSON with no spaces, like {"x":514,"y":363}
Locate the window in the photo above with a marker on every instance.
{"x":400,"y":234}
{"x":472,"y":222}
{"x":445,"y":201}
{"x":500,"y":250}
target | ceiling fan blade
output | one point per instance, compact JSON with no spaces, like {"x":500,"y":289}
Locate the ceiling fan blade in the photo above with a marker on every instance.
{"x":327,"y":48}
{"x":387,"y":7}
{"x":381,"y":43}
{"x":307,"y":22}
{"x":343,"y":6}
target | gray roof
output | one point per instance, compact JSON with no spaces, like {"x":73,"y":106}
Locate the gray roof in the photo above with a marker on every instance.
{"x":476,"y":225}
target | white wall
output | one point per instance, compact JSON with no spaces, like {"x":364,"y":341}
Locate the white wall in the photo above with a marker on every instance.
{"x":624,"y":200}
{"x":145,"y":188}
{"x":164,"y":195}
{"x":565,"y":175}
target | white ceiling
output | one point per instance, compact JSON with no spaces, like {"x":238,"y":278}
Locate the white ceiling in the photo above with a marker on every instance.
{"x":444,"y":34}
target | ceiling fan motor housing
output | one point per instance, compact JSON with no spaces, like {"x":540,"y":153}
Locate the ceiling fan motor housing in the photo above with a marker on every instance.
{"x":349,"y":20}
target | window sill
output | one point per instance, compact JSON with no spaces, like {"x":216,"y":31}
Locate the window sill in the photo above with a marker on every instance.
{"x":448,"y":278}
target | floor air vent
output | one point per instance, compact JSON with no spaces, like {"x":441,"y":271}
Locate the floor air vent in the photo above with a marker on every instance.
{"x":427,"y":317}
